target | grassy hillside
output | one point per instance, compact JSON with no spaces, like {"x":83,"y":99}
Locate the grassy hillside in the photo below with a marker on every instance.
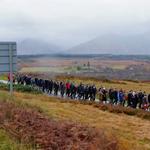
{"x":125,"y":85}
{"x":130,"y":131}
{"x":6,"y":143}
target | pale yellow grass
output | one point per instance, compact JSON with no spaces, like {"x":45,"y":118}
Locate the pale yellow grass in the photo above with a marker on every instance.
{"x":125,"y":85}
{"x":133,"y":133}
{"x":41,"y":69}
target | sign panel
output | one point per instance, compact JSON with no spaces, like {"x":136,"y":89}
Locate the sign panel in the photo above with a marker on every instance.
{"x":5,"y":60}
{"x":5,"y":67}
{"x":5,"y":45}
{"x":8,"y":57}
{"x":8,"y":60}
{"x":5,"y":53}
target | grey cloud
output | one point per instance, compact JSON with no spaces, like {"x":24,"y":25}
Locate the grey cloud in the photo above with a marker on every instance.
{"x":67,"y":23}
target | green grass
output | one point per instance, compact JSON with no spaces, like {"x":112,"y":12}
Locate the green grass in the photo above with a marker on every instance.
{"x":3,"y":77}
{"x":6,"y":143}
{"x":20,"y":88}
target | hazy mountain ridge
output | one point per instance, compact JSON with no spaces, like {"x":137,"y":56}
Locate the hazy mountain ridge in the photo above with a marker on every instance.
{"x":34,"y":46}
{"x":107,"y":44}
{"x":115,"y":44}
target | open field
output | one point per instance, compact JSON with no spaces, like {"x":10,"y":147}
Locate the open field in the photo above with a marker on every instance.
{"x":42,"y":69}
{"x":130,"y":131}
{"x":119,"y":84}
{"x":98,"y":66}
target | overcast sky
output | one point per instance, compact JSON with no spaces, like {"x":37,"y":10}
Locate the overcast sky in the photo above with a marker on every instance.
{"x":69,"y":22}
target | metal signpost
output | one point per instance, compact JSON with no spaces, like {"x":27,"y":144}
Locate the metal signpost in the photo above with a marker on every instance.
{"x":8,"y":60}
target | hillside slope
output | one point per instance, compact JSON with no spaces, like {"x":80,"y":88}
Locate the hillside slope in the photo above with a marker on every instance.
{"x":131,"y":132}
{"x":114,"y":44}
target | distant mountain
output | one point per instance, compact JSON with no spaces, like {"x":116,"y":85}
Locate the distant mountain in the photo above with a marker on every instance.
{"x":33,"y":46}
{"x":114,"y":44}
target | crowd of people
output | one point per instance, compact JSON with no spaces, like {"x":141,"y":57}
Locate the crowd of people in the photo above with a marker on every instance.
{"x":86,"y":92}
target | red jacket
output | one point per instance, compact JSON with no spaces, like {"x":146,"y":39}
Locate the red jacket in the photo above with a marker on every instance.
{"x":67,"y":85}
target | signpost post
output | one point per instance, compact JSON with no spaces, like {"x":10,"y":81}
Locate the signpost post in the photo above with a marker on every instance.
{"x":8,"y":60}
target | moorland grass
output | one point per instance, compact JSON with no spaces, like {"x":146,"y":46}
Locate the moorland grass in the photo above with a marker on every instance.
{"x":119,"y":84}
{"x":20,"y":88}
{"x":130,"y":130}
{"x":7,"y":143}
